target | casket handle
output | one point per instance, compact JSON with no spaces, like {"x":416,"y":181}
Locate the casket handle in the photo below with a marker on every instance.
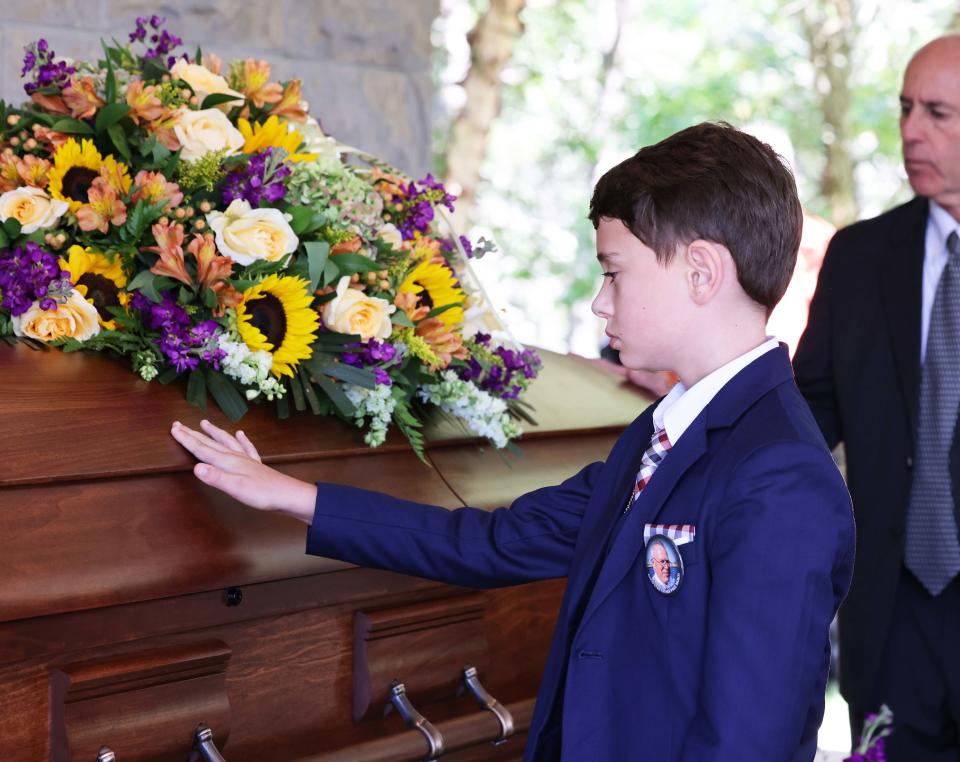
{"x":489,"y":703}
{"x":204,"y":748}
{"x":106,"y":755}
{"x":413,"y":718}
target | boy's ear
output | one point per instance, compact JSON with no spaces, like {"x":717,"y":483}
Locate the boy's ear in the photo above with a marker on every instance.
{"x":705,"y":269}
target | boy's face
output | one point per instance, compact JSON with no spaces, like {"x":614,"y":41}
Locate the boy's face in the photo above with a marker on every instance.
{"x":640,"y":299}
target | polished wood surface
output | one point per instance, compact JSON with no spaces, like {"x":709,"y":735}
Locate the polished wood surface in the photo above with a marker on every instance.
{"x":136,"y":603}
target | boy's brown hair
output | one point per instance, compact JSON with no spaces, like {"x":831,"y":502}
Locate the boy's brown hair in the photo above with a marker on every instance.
{"x":714,"y":182}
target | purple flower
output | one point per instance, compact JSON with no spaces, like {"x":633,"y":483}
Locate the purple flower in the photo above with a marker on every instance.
{"x":376,"y":356}
{"x":29,"y":273}
{"x":417,"y":204}
{"x":260,"y":181}
{"x":39,"y":60}
{"x":181,"y":342}
{"x":507,"y":377}
{"x":163,"y":41}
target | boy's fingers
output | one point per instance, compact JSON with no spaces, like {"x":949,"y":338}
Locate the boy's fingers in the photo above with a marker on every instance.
{"x":200,"y":446}
{"x":249,"y":450}
{"x":220,"y":436}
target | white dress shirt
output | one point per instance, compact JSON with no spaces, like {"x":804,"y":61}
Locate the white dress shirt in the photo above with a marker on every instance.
{"x":940,"y":224}
{"x":681,"y":406}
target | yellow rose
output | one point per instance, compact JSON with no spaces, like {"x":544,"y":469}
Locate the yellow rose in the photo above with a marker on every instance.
{"x":352,"y":311}
{"x":76,"y":319}
{"x":201,"y":132}
{"x":32,"y":208}
{"x":391,"y":235}
{"x":247,"y":235}
{"x":204,"y":82}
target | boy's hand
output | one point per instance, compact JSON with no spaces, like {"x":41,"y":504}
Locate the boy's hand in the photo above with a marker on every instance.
{"x":231,"y":464}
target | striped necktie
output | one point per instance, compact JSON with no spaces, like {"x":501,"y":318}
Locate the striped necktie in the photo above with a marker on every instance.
{"x":652,"y":457}
{"x":932,"y":547}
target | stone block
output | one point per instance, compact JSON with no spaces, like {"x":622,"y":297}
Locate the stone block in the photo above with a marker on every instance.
{"x":374,"y":32}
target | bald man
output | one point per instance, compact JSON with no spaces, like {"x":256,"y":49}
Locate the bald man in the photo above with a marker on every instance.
{"x":879,"y":365}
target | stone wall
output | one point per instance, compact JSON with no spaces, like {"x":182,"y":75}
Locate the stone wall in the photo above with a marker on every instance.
{"x":365,"y":64}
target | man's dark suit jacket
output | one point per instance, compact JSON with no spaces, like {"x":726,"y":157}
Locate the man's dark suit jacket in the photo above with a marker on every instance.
{"x":858,"y":365}
{"x":730,"y":668}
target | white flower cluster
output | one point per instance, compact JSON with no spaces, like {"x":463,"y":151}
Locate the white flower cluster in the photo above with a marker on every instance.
{"x":377,"y":404}
{"x":249,"y":368}
{"x":483,"y":413}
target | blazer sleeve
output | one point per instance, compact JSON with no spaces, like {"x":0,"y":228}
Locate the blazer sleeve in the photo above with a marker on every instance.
{"x":532,"y":539}
{"x":781,"y":559}
{"x":813,"y":360}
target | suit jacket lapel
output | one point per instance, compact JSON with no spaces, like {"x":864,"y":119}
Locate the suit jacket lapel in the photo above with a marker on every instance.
{"x":629,"y":542}
{"x":731,"y":401}
{"x":901,"y":292}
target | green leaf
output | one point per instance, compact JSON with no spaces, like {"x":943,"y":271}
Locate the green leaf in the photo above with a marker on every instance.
{"x":350,"y":263}
{"x":72,"y":126}
{"x":198,"y":57}
{"x":320,"y":366}
{"x":110,"y":114}
{"x":146,"y":283}
{"x":110,"y":85}
{"x":337,"y":397}
{"x":309,"y":392}
{"x":296,"y":389}
{"x":119,"y":139}
{"x":197,"y":390}
{"x":401,"y":318}
{"x":283,"y":408}
{"x":301,"y":217}
{"x":12,"y":227}
{"x":146,"y":147}
{"x":215,"y":99}
{"x":209,"y":298}
{"x":317,"y":254}
{"x":226,"y":396}
{"x":330,"y":273}
{"x":4,"y":240}
{"x":438,"y":310}
{"x":153,"y":69}
{"x":167,"y":376}
{"x":160,"y":153}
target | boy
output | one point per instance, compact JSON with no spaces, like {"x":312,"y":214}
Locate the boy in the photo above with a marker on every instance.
{"x":725,"y":657}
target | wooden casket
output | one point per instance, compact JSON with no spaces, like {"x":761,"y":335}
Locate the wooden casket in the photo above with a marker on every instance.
{"x":139,"y":608}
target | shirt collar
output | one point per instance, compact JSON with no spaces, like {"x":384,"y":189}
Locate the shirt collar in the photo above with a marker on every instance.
{"x":681,"y":406}
{"x":942,"y":224}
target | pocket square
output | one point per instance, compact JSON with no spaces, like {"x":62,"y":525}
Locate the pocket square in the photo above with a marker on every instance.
{"x":679,"y":533}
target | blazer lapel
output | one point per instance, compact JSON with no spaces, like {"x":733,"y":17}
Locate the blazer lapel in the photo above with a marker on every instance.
{"x":762,"y":375}
{"x":901,"y":292}
{"x":629,"y":541}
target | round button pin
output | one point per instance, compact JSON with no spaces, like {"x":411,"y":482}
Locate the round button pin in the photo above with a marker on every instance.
{"x":664,"y":564}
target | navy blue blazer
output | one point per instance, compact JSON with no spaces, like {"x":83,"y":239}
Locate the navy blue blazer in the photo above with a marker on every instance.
{"x":733,"y":665}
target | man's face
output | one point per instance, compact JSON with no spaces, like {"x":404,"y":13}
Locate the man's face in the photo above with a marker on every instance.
{"x":930,"y":122}
{"x":661,"y":563}
{"x":640,"y":299}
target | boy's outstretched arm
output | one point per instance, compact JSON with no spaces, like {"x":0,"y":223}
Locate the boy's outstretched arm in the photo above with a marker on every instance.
{"x":232,"y":464}
{"x":533,"y":539}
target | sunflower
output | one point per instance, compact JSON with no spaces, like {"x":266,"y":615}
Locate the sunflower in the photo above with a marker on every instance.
{"x":275,"y":315}
{"x":434,"y":283}
{"x":272,"y":134}
{"x":76,"y":166}
{"x":98,"y":280}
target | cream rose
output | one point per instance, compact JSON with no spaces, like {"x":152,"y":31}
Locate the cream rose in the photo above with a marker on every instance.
{"x":391,"y":235}
{"x":32,"y":208}
{"x":201,"y":132}
{"x":247,"y":235}
{"x":77,"y":319}
{"x":352,"y":311}
{"x":204,"y":82}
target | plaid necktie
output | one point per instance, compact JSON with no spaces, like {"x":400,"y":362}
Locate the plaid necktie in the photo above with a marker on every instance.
{"x":932,"y":548}
{"x":652,"y":457}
